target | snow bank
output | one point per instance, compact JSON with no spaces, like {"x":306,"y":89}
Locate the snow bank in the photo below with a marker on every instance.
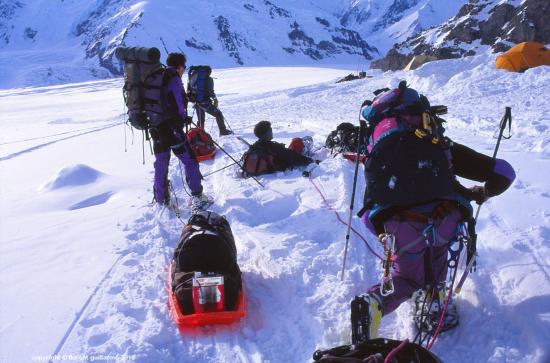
{"x":92,"y":281}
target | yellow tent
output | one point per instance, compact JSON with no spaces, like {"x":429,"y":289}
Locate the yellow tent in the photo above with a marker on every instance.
{"x":523,"y":56}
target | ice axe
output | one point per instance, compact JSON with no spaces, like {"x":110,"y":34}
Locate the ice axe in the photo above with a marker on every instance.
{"x":472,"y":248}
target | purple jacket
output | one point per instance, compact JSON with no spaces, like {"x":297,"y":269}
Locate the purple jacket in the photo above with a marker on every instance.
{"x":173,"y":95}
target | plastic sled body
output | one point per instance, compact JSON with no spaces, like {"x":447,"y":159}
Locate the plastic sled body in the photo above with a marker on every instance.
{"x":201,"y":143}
{"x":208,"y":318}
{"x":352,"y":156}
{"x":206,"y":156}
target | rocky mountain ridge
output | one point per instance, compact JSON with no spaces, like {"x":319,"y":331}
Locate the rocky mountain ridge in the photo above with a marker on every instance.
{"x":478,"y":25}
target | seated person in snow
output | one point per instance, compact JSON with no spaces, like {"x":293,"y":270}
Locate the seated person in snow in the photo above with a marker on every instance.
{"x":207,"y":246}
{"x":266,"y":156}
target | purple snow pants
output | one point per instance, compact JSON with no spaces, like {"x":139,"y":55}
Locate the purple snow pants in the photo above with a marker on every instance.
{"x":168,"y":138}
{"x":419,"y":261}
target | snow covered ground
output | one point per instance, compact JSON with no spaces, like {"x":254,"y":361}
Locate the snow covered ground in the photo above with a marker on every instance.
{"x":84,"y":256}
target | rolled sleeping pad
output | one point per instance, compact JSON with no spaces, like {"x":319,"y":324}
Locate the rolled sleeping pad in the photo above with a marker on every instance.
{"x":138,"y":54}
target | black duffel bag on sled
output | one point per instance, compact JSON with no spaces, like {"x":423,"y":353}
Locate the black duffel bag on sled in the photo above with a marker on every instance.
{"x":206,"y":254}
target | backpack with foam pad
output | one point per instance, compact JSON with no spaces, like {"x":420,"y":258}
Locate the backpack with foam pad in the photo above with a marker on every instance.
{"x":207,"y":246}
{"x":197,"y":85}
{"x":408,"y":156}
{"x":143,"y":79}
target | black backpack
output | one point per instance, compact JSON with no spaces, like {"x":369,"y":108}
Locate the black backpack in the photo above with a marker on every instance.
{"x":206,"y":245}
{"x":197,"y":85}
{"x":377,"y":350}
{"x":343,"y":139}
{"x":144,"y":76}
{"x":409,"y":160}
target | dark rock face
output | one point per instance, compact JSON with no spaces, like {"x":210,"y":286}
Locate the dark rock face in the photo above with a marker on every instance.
{"x":322,"y":21}
{"x":30,"y":33}
{"x":8,"y":11}
{"x":274,"y":10}
{"x":532,"y":22}
{"x":250,"y":7}
{"x":342,"y":40}
{"x":504,"y":24}
{"x":231,"y":41}
{"x":96,"y":33}
{"x":394,"y":13}
{"x":194,"y":43}
{"x":392,"y":61}
{"x":306,"y":44}
{"x":352,"y":43}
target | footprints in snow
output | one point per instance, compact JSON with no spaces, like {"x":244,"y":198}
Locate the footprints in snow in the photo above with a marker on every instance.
{"x":134,"y":318}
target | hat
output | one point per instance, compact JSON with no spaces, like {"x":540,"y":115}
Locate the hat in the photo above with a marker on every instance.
{"x":263,"y":131}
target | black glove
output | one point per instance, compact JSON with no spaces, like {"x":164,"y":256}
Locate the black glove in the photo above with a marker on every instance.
{"x":188,"y":120}
{"x":478,"y":194}
{"x":215,"y":102}
{"x":317,"y":162}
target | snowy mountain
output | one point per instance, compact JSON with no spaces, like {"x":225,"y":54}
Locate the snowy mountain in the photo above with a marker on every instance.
{"x":69,"y":40}
{"x":478,"y":25}
{"x":84,"y":254}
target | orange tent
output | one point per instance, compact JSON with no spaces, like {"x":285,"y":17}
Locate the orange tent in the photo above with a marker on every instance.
{"x":523,"y":56}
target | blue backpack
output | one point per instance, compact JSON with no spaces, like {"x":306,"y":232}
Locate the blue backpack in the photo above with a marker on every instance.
{"x":197,"y":85}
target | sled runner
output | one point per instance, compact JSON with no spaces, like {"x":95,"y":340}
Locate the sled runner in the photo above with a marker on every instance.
{"x":204,"y":318}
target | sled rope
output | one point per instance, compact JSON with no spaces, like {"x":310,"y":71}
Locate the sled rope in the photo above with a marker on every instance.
{"x":342,"y":221}
{"x":440,"y":324}
{"x":396,"y":350}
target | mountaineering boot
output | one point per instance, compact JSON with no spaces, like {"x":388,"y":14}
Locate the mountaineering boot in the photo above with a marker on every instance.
{"x":366,"y":314}
{"x":226,"y":132}
{"x":200,"y":202}
{"x":427,"y":316}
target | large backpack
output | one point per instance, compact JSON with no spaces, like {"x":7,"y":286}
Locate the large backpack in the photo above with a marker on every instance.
{"x":343,"y":139}
{"x":197,"y":85}
{"x":143,"y":79}
{"x":206,"y":245}
{"x":409,"y":158}
{"x":258,"y":160}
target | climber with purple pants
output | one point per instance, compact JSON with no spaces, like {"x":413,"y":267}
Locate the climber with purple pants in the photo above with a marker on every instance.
{"x":169,"y":136}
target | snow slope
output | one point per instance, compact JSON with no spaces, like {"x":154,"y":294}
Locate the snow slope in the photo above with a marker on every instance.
{"x":84,"y":256}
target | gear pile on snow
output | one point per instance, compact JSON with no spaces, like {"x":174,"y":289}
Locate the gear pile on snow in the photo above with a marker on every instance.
{"x":377,"y":351}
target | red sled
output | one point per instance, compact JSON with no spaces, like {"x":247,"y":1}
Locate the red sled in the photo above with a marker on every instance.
{"x":353,"y":156}
{"x":202,"y":144}
{"x":207,"y":318}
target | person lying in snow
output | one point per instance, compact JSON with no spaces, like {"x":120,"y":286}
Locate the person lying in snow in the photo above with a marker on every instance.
{"x":266,"y":156}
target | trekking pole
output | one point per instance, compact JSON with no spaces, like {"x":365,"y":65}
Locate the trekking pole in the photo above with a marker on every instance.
{"x":362,"y":127}
{"x":215,"y":171}
{"x":472,"y":251}
{"x":143,"y":147}
{"x":232,"y":158}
